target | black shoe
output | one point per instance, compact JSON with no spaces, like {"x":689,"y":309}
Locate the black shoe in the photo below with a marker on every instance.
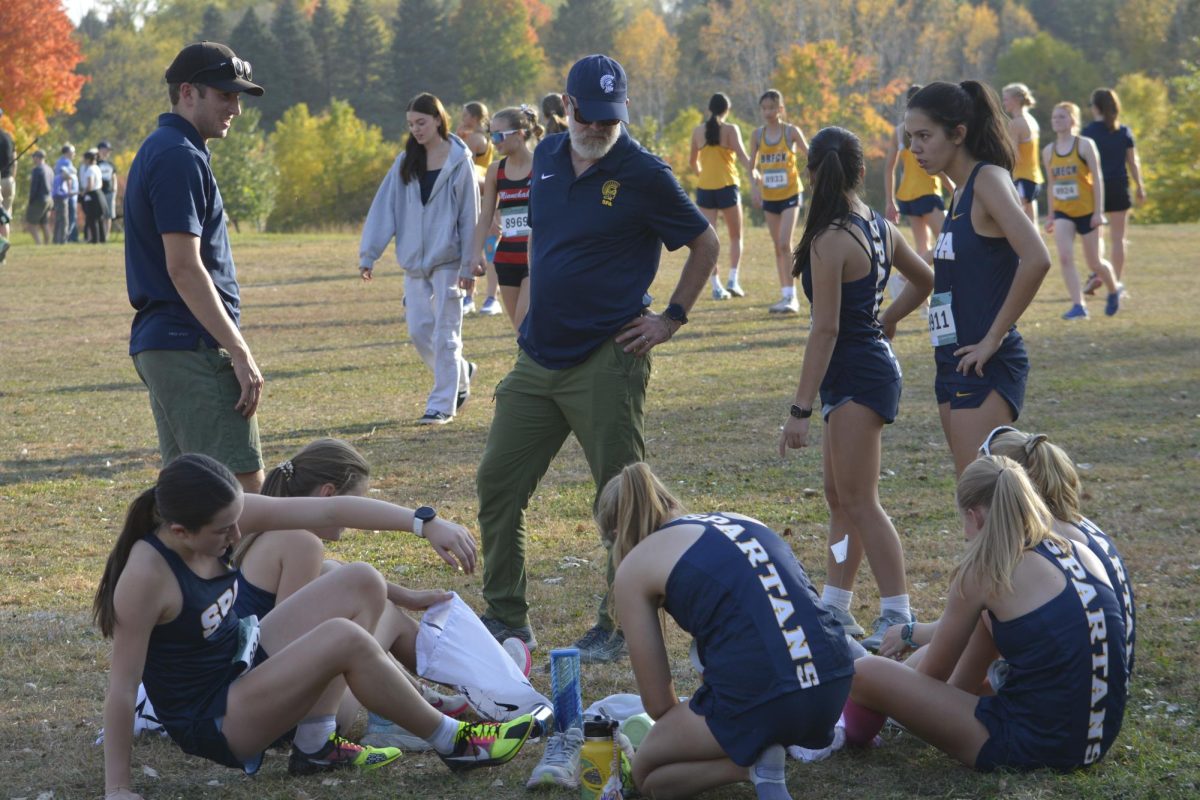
{"x":501,"y":631}
{"x":600,"y":646}
{"x":465,"y":393}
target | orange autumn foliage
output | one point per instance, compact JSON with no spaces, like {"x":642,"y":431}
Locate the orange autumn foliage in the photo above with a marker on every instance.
{"x":39,"y":55}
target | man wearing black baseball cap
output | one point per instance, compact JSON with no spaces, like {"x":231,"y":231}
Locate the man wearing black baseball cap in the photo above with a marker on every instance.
{"x":186,"y":344}
{"x":601,"y":208}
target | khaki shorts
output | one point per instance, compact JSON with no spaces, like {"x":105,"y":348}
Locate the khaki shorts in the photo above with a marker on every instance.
{"x":192,"y":395}
{"x":8,"y":187}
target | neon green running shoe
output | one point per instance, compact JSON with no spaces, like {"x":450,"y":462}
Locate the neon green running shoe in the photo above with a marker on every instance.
{"x":486,"y":744}
{"x":339,"y":753}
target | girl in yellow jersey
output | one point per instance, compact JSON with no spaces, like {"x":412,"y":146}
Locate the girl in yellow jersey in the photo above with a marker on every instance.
{"x":777,"y":189}
{"x":1076,"y":200}
{"x":474,"y":128}
{"x":1027,"y":174}
{"x":919,"y":196}
{"x":716,"y":147}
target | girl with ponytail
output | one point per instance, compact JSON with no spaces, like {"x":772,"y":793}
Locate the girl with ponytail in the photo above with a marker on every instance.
{"x":776,"y":667}
{"x":716,"y":149}
{"x":843,"y":262}
{"x":168,"y":601}
{"x":1051,"y":613}
{"x":988,"y":262}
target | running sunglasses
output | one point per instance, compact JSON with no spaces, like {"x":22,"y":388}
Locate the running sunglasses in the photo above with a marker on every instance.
{"x":603,"y":123}
{"x":500,"y":136}
{"x":241,"y":69}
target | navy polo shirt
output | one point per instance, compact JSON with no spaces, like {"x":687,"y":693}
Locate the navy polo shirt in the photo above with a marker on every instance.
{"x":171,"y":189}
{"x":597,"y":240}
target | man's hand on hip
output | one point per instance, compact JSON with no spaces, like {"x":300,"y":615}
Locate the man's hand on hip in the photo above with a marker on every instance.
{"x":642,"y":334}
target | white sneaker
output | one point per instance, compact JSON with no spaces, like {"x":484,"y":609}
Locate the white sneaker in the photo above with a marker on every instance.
{"x":720,"y":294}
{"x":383,"y":733}
{"x":468,"y":305}
{"x":786,"y":306}
{"x":735,"y":289}
{"x":491,"y":307}
{"x":519,"y":652}
{"x":560,"y":762}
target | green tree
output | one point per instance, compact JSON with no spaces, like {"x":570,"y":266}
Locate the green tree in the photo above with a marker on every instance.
{"x":359,"y":63}
{"x":499,"y":57}
{"x":212,"y":26}
{"x":1054,"y":70}
{"x":251,"y":40}
{"x":581,"y":27}
{"x":299,"y":80}
{"x":418,"y":62}
{"x":245,"y":171}
{"x":1174,"y":163}
{"x":325,"y":25}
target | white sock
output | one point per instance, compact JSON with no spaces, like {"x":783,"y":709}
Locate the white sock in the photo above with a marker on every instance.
{"x":788,"y":292}
{"x":833,"y":597}
{"x":313,"y":733}
{"x":733,"y":271}
{"x":767,"y":774}
{"x":442,"y":739}
{"x":716,"y":281}
{"x":897,"y":603}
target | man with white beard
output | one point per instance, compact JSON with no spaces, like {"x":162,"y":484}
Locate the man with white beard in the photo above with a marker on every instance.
{"x":601,"y":208}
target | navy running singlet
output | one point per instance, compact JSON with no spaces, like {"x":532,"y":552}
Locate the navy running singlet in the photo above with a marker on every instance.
{"x":189,"y":660}
{"x":972,"y":275}
{"x":1063,"y":701}
{"x":862,"y":358}
{"x":252,"y":600}
{"x":1102,"y":545}
{"x":760,"y":629}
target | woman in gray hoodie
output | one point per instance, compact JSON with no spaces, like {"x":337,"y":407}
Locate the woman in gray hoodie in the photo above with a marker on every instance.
{"x":429,"y":201}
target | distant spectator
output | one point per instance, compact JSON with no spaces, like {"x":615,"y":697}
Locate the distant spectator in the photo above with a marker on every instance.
{"x":8,"y":186}
{"x":66,"y":186}
{"x":108,"y":183}
{"x":92,"y":198}
{"x":37,"y":212}
{"x":67,"y":159}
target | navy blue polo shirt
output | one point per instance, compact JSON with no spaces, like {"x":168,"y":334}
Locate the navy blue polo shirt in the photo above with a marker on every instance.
{"x":597,"y":240}
{"x":171,"y":189}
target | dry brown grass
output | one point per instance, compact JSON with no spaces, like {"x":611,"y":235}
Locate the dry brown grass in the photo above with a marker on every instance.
{"x":77,"y":443}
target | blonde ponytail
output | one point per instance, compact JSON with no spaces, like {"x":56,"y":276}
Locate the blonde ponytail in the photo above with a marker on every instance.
{"x":633,"y":505}
{"x":1049,"y":468}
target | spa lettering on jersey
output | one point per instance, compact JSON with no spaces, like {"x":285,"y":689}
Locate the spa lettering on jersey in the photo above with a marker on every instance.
{"x":211,"y":617}
{"x":777,"y":593}
{"x":1098,"y":634}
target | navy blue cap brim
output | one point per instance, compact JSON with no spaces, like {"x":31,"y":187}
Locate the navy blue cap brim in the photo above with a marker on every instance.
{"x":596,"y":110}
{"x":236,"y":85}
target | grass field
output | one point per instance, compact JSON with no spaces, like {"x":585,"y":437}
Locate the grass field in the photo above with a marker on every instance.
{"x":77,"y":443}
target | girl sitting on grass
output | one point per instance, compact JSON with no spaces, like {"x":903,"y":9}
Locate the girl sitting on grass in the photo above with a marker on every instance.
{"x":167,"y":600}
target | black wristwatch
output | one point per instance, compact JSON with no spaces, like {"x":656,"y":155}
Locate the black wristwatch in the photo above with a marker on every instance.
{"x":675,"y":313}
{"x":420,"y":517}
{"x":800,"y":413}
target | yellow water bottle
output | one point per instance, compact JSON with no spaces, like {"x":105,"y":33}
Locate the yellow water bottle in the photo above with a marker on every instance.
{"x":595,"y":760}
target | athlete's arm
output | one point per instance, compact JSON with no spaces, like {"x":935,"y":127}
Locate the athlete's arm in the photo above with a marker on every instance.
{"x":694,"y":155}
{"x":1049,"y":187}
{"x":195,"y":286}
{"x":139,"y":603}
{"x":638,"y":592}
{"x":735,"y":135}
{"x":998,"y":198}
{"x":487,"y":210}
{"x":964,"y":604}
{"x":799,"y":143}
{"x":918,"y":277}
{"x":827,"y":258}
{"x":755,"y":175}
{"x":890,"y":212}
{"x":1135,"y":171}
{"x":1019,"y":129}
{"x":1087,"y":150}
{"x":451,"y":541}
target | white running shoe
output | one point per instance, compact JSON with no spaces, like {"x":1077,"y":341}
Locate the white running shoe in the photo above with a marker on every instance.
{"x":735,"y":289}
{"x":491,"y":307}
{"x":786,"y":306}
{"x":720,"y":294}
{"x":560,"y":762}
{"x":468,"y":305}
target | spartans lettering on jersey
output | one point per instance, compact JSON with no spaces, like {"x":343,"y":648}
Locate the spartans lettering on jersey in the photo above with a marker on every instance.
{"x":1098,"y":635}
{"x":768,"y":575}
{"x":944,"y":251}
{"x":212,"y":617}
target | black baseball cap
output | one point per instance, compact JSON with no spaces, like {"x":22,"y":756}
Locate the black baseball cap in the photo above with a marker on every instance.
{"x":104,"y":145}
{"x":213,"y":64}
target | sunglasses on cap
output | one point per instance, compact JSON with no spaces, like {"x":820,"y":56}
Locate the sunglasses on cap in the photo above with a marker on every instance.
{"x":500,"y":136}
{"x":1031,"y":440}
{"x":603,"y":123}
{"x":241,"y":69}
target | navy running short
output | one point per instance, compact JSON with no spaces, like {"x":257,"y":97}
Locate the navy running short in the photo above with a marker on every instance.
{"x":779,"y":206}
{"x":804,"y":717}
{"x":725,"y":197}
{"x":511,"y":274}
{"x":920,"y":206}
{"x":1083,"y":225}
{"x":1027,"y":190}
{"x":883,"y":400}
{"x":1116,"y":195}
{"x":1006,"y":374}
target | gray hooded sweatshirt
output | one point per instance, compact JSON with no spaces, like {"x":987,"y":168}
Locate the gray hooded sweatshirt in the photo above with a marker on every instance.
{"x":433,"y":236}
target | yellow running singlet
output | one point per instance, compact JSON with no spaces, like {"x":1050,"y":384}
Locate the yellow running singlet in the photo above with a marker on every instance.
{"x":717,"y":167}
{"x":777,"y":164}
{"x":914,"y":181}
{"x":1027,"y":167}
{"x":1072,"y":182}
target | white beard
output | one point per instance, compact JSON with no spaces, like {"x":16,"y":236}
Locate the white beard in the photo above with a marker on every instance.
{"x":590,"y":144}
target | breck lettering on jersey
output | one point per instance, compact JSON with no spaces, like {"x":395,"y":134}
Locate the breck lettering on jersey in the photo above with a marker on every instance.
{"x":1098,"y":635}
{"x":777,"y":594}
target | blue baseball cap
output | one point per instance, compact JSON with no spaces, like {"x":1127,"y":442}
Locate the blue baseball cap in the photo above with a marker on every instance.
{"x":598,"y":85}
